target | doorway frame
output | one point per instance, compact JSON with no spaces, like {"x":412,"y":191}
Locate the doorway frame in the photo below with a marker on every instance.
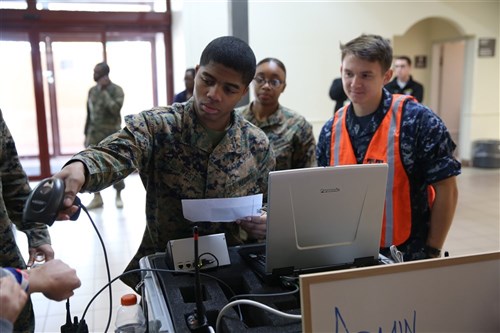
{"x":39,"y":22}
{"x":453,"y":32}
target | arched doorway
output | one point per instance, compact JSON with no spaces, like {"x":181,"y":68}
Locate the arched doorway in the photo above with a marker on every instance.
{"x":445,"y":49}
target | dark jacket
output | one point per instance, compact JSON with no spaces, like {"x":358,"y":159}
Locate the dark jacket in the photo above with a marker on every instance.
{"x":337,"y":93}
{"x":411,"y":88}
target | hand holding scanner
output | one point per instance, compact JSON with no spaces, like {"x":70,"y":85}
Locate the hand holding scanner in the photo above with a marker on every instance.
{"x":45,"y":201}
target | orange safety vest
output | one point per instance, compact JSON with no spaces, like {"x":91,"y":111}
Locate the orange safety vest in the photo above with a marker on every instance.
{"x":383,"y":148}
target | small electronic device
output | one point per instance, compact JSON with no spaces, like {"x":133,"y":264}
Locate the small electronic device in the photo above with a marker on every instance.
{"x":45,"y":201}
{"x":212,"y":248}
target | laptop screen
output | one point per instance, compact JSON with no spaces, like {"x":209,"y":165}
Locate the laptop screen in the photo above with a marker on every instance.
{"x":324,"y":216}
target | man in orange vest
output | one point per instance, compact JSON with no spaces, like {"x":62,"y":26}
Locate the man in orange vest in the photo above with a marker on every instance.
{"x":378,"y":127}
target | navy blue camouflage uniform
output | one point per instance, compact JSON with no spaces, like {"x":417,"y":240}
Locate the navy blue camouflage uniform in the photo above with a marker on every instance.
{"x":176,"y":160}
{"x":426,"y":152}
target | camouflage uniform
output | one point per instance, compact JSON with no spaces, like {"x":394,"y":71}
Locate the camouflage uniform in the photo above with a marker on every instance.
{"x":14,"y":191}
{"x":176,"y":160}
{"x":290,"y":134}
{"x":426,"y":152}
{"x":103,"y":116}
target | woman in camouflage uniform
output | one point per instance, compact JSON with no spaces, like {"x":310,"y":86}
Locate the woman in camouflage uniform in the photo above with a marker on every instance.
{"x":289,"y":132}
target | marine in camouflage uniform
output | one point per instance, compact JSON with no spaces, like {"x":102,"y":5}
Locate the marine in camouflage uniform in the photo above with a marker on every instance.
{"x":426,"y":151}
{"x":104,"y":104}
{"x":176,"y":160}
{"x":103,"y":112}
{"x":290,"y":134}
{"x":14,"y":191}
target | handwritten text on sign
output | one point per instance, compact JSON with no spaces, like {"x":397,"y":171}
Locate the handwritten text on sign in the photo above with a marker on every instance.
{"x":398,"y":326}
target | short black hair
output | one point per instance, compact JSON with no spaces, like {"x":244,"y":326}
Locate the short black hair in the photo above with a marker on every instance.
{"x":103,"y":67}
{"x":372,"y":48}
{"x":231,"y":52}
{"x":276,"y":61}
{"x":191,"y":70}
{"x":406,"y":58}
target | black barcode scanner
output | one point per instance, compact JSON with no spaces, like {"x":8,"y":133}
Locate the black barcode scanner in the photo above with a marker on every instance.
{"x":45,"y":201}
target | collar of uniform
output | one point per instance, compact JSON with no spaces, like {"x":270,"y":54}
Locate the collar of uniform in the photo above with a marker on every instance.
{"x":194,"y":134}
{"x":387,"y":99}
{"x":275,"y":118}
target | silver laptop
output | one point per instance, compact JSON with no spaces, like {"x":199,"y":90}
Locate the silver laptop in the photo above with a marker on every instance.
{"x":324,"y":217}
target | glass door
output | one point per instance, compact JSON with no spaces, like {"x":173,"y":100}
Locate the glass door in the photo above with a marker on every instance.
{"x":67,"y":64}
{"x":17,"y":98}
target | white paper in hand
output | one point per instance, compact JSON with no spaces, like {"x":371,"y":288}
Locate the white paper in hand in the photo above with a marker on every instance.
{"x":221,"y":210}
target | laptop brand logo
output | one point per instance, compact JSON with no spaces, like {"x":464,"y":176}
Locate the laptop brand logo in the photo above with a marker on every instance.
{"x":329,"y":190}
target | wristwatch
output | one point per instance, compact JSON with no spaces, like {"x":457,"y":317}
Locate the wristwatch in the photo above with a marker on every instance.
{"x":432,"y":252}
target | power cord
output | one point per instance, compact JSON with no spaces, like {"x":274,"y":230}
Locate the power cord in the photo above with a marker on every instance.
{"x":81,"y":326}
{"x":72,"y":327}
{"x":294,"y":291}
{"x":254,"y":303}
{"x":287,"y":281}
{"x":205,"y":262}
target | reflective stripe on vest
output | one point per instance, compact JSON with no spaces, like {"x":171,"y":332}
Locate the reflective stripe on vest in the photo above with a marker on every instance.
{"x":383,"y":148}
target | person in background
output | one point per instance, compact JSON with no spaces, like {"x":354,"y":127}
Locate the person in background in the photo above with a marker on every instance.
{"x":55,"y":279}
{"x":14,"y":192}
{"x":403,"y":82}
{"x":104,"y":103}
{"x":337,"y":93}
{"x":379,"y":127}
{"x":189,"y":83}
{"x":193,"y":150}
{"x":290,"y":134}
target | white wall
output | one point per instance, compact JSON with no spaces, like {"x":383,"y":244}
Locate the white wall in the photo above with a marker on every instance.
{"x":305,"y":35}
{"x":194,"y":24}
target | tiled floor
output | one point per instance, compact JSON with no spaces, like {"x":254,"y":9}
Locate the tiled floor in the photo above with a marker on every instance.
{"x":476,"y":228}
{"x":77,"y":244}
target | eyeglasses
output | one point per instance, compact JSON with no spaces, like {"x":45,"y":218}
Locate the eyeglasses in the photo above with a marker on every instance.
{"x":273,"y":83}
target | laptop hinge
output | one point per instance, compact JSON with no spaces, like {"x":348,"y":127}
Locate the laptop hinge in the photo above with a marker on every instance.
{"x":365,"y":261}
